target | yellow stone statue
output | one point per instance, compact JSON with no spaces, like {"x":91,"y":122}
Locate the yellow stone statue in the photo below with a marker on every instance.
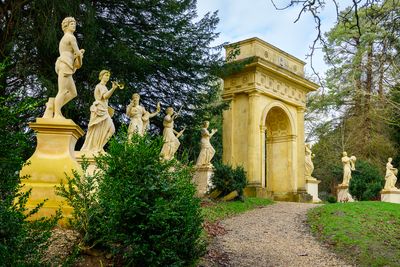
{"x":67,"y":63}
{"x":170,"y":136}
{"x":309,"y":165}
{"x":140,"y":118}
{"x":207,"y":151}
{"x":348,"y":166}
{"x":390,"y":176}
{"x":101,"y":126}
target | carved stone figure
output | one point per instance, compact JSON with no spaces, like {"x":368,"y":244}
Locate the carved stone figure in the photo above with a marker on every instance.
{"x":390,"y":176}
{"x":309,"y":165}
{"x":67,"y":63}
{"x":207,"y":151}
{"x":170,"y":136}
{"x":348,"y":166}
{"x":101,"y":126}
{"x":140,"y":118}
{"x":49,"y":112}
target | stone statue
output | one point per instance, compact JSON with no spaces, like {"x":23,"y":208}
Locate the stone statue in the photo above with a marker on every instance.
{"x":207,"y":151}
{"x":309,"y":165}
{"x":170,"y":136}
{"x":101,"y":126}
{"x":67,"y":63}
{"x":140,"y":118}
{"x":348,"y":166}
{"x":49,"y":111}
{"x":390,"y":176}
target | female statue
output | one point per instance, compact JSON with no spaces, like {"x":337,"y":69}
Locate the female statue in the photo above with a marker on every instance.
{"x":309,"y":165}
{"x":348,"y":166}
{"x":139,"y":116}
{"x":207,"y":151}
{"x":170,"y":136}
{"x":67,"y":63}
{"x":101,"y":126}
{"x":390,"y":176}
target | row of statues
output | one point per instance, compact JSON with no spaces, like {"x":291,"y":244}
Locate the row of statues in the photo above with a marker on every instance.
{"x":101,"y":126}
{"x":348,"y":167}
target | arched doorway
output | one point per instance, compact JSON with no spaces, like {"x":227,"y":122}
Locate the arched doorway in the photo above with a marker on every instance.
{"x":279,"y":144}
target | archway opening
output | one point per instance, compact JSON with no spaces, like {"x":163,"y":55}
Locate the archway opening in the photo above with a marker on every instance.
{"x":278,"y":152}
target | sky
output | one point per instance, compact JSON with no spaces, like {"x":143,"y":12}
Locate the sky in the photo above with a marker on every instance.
{"x":242,"y":19}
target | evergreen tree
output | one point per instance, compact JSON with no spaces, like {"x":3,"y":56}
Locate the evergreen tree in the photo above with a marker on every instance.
{"x":160,"y":49}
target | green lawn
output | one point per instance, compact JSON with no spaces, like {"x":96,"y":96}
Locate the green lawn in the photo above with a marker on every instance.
{"x":221,"y":210}
{"x":366,"y":233}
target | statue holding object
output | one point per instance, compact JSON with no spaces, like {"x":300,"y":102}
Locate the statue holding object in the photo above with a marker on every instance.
{"x":390,"y":176}
{"x":348,"y":166}
{"x":170,"y":136}
{"x":67,"y":63}
{"x":207,"y":151}
{"x":101,"y":126}
{"x":139,"y":116}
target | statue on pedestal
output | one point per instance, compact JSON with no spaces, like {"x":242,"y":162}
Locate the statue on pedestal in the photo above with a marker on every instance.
{"x":101,"y":126}
{"x":390,"y":176}
{"x":170,"y":136}
{"x":140,"y":118}
{"x":309,"y":165}
{"x":348,"y":166}
{"x":207,"y":151}
{"x":67,"y":63}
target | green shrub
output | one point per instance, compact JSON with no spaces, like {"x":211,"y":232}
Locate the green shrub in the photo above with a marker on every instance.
{"x":80,"y":193}
{"x":366,"y":181}
{"x":22,"y":242}
{"x":227,"y":179}
{"x":331,"y":199}
{"x":146,"y":210}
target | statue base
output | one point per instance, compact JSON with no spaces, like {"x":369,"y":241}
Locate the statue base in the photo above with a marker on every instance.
{"x":53,"y":159}
{"x":312,"y":189}
{"x":392,"y":196}
{"x":343,"y":194}
{"x":90,"y":157}
{"x":202,"y":179}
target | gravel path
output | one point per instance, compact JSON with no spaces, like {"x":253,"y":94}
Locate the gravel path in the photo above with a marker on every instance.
{"x":275,"y":235}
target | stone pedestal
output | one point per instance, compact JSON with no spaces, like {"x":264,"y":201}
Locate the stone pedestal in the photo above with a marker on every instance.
{"x":90,"y":157}
{"x":53,"y":158}
{"x":392,"y":196}
{"x":202,"y":179}
{"x":312,"y":189}
{"x":343,"y":194}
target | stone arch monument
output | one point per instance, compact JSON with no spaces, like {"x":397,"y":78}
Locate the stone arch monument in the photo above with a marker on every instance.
{"x":263,"y":129}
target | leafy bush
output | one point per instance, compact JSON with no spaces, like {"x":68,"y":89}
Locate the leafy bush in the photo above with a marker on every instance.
{"x":331,"y":199}
{"x":227,"y":179}
{"x":22,"y":242}
{"x":145,"y":211}
{"x":81,"y":194}
{"x":366,"y":181}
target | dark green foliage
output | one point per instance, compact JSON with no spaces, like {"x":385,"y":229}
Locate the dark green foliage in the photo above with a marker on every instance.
{"x":146,"y":210}
{"x":160,"y":49}
{"x":331,"y":199}
{"x":22,"y":242}
{"x":228,"y":179}
{"x":366,"y":181}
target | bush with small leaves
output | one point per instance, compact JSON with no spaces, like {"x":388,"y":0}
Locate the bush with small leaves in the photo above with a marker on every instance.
{"x":227,"y":179}
{"x":366,"y":181}
{"x":146,"y":210}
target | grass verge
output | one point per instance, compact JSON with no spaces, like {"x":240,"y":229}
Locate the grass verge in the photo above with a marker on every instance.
{"x":221,"y":210}
{"x":364,"y":233}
